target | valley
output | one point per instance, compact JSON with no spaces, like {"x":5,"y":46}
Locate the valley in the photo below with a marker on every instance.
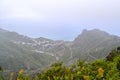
{"x":19,"y":51}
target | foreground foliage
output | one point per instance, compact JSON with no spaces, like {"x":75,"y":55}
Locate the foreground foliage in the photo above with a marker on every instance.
{"x":97,"y":70}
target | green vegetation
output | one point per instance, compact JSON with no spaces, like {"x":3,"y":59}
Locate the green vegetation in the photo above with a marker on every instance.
{"x":15,"y":56}
{"x":97,"y":70}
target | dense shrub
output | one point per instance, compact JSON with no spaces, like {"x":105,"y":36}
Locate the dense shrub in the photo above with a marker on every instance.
{"x":97,"y":70}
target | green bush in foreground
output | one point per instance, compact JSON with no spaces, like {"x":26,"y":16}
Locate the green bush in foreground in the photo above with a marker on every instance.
{"x":98,"y":70}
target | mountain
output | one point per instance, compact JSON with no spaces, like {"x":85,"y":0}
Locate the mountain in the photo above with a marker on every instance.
{"x":14,"y":55}
{"x":95,"y":43}
{"x":18,"y":51}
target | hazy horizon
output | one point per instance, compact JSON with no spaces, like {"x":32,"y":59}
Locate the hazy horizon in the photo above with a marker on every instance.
{"x":59,"y":19}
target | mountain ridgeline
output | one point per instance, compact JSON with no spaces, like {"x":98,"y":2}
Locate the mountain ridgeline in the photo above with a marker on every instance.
{"x":22,"y":52}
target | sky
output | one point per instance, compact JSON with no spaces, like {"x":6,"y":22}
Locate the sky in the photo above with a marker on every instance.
{"x":59,"y":19}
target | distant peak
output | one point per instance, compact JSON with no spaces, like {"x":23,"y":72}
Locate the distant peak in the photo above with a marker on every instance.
{"x":85,"y":30}
{"x":93,"y":31}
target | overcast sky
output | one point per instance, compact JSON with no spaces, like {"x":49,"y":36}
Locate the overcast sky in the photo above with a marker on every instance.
{"x":59,"y":19}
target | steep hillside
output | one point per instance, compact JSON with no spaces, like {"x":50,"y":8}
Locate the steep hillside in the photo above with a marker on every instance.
{"x":14,"y":56}
{"x":18,"y":51}
{"x":95,"y":44}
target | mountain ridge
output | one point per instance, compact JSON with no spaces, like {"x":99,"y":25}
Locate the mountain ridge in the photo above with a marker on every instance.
{"x":39,"y":52}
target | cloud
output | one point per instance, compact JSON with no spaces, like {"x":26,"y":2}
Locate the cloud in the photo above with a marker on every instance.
{"x":45,"y":9}
{"x":17,"y":9}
